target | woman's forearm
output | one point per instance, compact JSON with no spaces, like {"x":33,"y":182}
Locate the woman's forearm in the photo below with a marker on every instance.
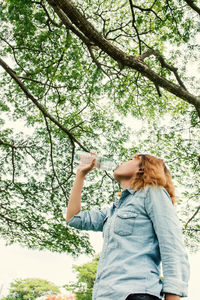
{"x":74,"y":204}
{"x":172,"y":297}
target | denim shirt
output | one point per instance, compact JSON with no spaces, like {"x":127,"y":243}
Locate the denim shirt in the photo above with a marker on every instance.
{"x":140,"y":231}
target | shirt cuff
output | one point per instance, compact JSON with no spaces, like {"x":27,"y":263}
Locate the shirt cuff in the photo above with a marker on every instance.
{"x":176,"y":287}
{"x":75,"y":222}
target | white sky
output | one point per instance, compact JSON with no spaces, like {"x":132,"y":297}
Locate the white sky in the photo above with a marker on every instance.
{"x":17,"y":262}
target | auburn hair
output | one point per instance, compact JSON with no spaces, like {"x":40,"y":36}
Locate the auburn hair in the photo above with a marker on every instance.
{"x":153,"y":171}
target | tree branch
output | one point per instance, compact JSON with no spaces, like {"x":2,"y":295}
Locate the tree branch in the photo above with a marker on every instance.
{"x":13,"y":164}
{"x":134,"y":26}
{"x":46,"y":83}
{"x":14,"y":221}
{"x":193,"y":5}
{"x":98,"y":64}
{"x":164,"y":64}
{"x":29,"y":229}
{"x":51,"y":155}
{"x":41,"y":108}
{"x":68,"y":8}
{"x":47,"y":14}
{"x":12,"y":145}
{"x":195,"y":213}
{"x":191,"y":229}
{"x":145,"y":9}
{"x":67,"y":23}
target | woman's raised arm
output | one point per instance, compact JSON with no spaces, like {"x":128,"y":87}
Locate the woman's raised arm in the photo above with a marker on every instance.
{"x":74,"y":204}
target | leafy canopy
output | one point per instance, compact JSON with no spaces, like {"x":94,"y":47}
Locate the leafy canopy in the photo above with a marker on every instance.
{"x":122,"y":89}
{"x":86,"y":275}
{"x":30,"y":289}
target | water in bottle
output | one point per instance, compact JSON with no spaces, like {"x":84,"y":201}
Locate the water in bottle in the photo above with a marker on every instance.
{"x":101,"y":162}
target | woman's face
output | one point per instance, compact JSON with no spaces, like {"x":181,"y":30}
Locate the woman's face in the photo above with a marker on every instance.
{"x":127,"y":169}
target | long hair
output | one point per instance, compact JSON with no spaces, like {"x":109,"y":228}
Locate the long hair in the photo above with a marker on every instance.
{"x":153,"y":171}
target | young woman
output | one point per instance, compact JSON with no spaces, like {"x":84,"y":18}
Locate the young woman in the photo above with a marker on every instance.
{"x":140,"y":231}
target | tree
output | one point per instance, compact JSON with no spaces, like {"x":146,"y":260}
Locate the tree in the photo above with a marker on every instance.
{"x":76,"y":76}
{"x":86,"y":275}
{"x":31,"y":288}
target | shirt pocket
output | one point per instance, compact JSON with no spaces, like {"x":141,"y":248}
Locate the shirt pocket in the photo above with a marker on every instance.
{"x":124,"y":222}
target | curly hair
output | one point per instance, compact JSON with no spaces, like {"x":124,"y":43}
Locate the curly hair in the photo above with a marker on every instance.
{"x":153,"y":171}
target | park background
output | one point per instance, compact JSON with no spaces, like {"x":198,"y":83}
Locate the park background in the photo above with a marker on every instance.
{"x":129,"y":83}
{"x":17,"y":262}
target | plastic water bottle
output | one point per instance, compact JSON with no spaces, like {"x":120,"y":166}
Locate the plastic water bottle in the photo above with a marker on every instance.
{"x":101,"y":162}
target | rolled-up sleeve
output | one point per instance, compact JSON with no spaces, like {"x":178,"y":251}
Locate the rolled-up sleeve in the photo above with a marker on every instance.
{"x":88,"y":220}
{"x":176,"y":269}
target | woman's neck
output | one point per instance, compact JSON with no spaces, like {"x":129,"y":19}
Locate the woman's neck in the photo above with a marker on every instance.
{"x":125,"y":184}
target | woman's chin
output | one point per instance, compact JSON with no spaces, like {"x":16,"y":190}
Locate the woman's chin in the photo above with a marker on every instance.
{"x":116,"y":175}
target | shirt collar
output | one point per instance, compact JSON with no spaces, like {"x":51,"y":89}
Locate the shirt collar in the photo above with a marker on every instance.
{"x":131,"y":191}
{"x":124,"y":194}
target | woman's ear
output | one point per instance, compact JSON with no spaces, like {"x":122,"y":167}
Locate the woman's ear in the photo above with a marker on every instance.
{"x":140,"y":171}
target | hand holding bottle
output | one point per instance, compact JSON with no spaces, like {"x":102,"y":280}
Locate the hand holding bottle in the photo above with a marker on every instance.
{"x":84,"y":169}
{"x":101,"y":162}
{"x":74,"y":204}
{"x":88,"y":162}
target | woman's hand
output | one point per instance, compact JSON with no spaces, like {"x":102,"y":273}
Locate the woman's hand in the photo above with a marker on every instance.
{"x":172,"y":297}
{"x":83,"y":170}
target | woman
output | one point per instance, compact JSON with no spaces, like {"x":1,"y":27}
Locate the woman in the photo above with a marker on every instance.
{"x":140,"y":231}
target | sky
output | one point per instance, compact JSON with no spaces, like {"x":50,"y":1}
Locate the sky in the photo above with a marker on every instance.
{"x":18,"y":262}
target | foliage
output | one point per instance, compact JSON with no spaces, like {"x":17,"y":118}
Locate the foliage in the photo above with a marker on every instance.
{"x":86,"y":275}
{"x":69,"y":94}
{"x":30,"y":289}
